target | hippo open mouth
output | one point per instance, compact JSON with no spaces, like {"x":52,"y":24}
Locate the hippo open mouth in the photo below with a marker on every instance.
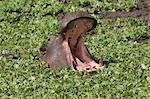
{"x":67,"y":49}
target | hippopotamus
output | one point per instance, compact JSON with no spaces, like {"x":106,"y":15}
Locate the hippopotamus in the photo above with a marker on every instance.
{"x":67,"y":48}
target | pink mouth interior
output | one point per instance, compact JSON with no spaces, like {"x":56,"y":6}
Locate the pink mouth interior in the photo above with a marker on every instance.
{"x":80,"y":54}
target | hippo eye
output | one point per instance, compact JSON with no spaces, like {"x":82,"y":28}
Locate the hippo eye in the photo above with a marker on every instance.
{"x":49,"y":39}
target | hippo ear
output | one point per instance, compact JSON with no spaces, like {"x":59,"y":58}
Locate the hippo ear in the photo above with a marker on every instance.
{"x":42,"y":51}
